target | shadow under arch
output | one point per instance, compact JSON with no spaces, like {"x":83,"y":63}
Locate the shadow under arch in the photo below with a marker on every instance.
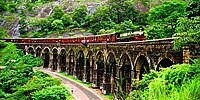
{"x":46,"y":53}
{"x":125,"y":74}
{"x":30,"y":50}
{"x":100,"y":68}
{"x":38,"y":51}
{"x":164,"y":63}
{"x":80,"y":65}
{"x":141,"y":67}
{"x":111,"y":72}
{"x":63,"y":59}
{"x":55,"y":59}
{"x":71,"y":62}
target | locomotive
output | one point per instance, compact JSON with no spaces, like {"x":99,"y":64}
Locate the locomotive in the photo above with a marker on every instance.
{"x":114,"y":37}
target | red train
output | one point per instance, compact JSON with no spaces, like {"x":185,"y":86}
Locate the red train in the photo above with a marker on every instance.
{"x":88,"y":39}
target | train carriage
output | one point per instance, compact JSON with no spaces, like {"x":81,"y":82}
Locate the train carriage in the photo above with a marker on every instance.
{"x":115,"y":37}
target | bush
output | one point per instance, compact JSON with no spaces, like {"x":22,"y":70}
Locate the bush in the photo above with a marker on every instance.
{"x":51,"y":93}
{"x":57,"y":24}
{"x":176,"y":82}
{"x":18,"y":81}
{"x":67,"y":20}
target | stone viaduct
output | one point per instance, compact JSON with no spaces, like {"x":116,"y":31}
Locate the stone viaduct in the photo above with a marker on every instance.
{"x":107,"y":65}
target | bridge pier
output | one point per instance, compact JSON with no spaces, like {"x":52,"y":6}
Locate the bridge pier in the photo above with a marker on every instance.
{"x":50,"y":61}
{"x":186,"y":54}
{"x":94,"y":83}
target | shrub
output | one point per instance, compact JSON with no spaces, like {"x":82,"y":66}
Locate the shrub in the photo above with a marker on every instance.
{"x":176,"y":82}
{"x":57,"y":24}
{"x":51,"y":93}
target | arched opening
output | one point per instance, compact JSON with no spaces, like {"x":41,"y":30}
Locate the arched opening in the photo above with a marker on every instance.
{"x":63,"y":60}
{"x":125,"y":74}
{"x":55,"y":59}
{"x":141,"y":67}
{"x":38,"y":52}
{"x":80,"y":65}
{"x":89,"y":67}
{"x":100,"y":69}
{"x":111,"y":71}
{"x":164,"y":63}
{"x":30,"y":50}
{"x":46,"y":58}
{"x":71,"y":62}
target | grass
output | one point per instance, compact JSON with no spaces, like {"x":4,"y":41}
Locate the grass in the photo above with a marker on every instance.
{"x":108,"y":96}
{"x":76,"y":79}
{"x":69,"y":96}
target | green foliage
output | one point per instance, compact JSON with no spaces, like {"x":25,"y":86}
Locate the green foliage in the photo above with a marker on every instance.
{"x":167,"y":12}
{"x":176,"y":82}
{"x":19,"y":81}
{"x":51,"y":93}
{"x":36,"y":84}
{"x":2,"y":6}
{"x":121,"y":10}
{"x":101,"y":19}
{"x":57,"y":25}
{"x":23,"y":24}
{"x":80,"y":14}
{"x":3,"y":33}
{"x":10,"y":52}
{"x":158,"y":31}
{"x":163,"y":19}
{"x":187,"y":32}
{"x":58,"y":12}
{"x":66,"y":19}
{"x":193,"y":9}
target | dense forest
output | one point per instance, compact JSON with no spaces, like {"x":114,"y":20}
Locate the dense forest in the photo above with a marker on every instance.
{"x":159,"y":18}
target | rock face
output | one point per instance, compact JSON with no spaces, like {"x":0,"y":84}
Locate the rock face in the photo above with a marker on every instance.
{"x":142,"y":8}
{"x":14,"y":28}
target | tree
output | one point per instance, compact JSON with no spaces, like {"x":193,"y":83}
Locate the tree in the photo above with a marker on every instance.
{"x":3,"y":6}
{"x":57,"y":24}
{"x":164,"y":17}
{"x":66,"y":19}
{"x":187,"y":32}
{"x":58,"y":12}
{"x":167,"y":13}
{"x":121,"y":10}
{"x":101,"y":19}
{"x":80,"y":14}
{"x":193,"y":9}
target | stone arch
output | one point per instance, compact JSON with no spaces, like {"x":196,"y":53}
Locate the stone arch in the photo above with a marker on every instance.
{"x":165,"y":62}
{"x":55,"y":58}
{"x":45,"y":49}
{"x":54,"y":49}
{"x":111,"y":71}
{"x":63,"y":59}
{"x":46,"y":57}
{"x":141,"y":66}
{"x":125,"y":73}
{"x":167,"y":56}
{"x":71,"y":62}
{"x":99,"y":68}
{"x":80,"y":65}
{"x":38,"y":51}
{"x":30,"y":50}
{"x":89,"y":66}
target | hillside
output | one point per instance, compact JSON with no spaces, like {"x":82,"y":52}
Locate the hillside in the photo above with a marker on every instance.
{"x":16,"y":19}
{"x":64,"y":18}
